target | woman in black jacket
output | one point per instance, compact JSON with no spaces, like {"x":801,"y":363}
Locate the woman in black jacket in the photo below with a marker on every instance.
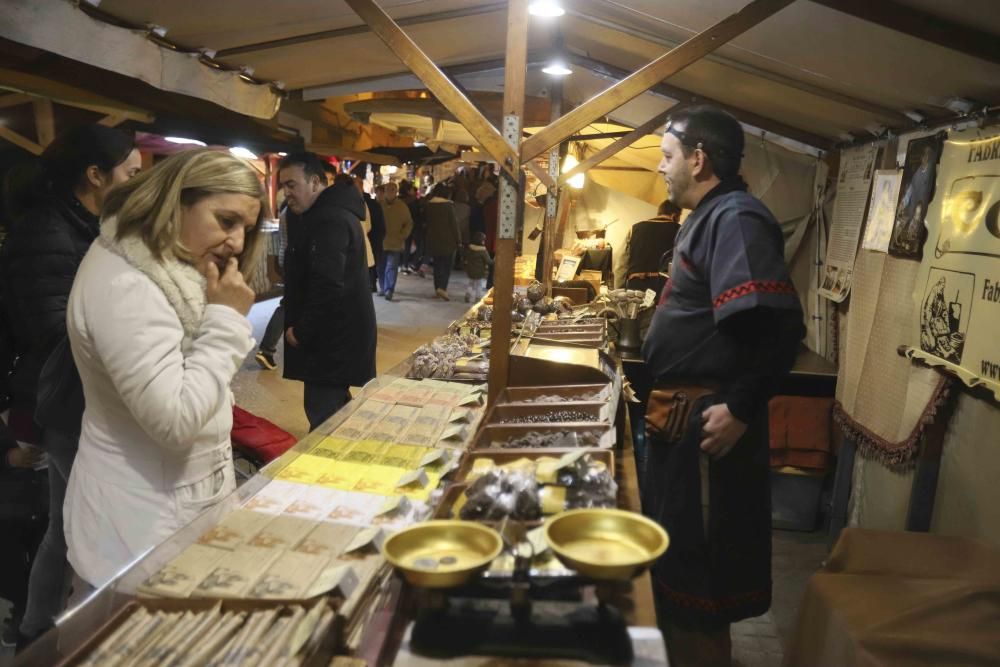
{"x":44,"y":248}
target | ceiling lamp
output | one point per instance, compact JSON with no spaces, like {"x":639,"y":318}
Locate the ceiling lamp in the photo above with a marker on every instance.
{"x":239,"y":151}
{"x":577,"y":181}
{"x":546,"y":8}
{"x":184,"y":140}
{"x":557,"y":68}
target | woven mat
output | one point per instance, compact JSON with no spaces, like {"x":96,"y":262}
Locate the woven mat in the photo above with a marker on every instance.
{"x":884,"y":401}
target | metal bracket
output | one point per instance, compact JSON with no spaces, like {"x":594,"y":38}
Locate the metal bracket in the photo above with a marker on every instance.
{"x":552,"y":199}
{"x":507,"y":224}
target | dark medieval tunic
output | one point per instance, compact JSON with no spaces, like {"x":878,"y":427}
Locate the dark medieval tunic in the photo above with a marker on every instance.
{"x":731,"y":318}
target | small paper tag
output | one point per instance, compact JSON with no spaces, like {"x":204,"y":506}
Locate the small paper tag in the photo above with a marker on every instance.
{"x":432,"y":456}
{"x":649,"y":298}
{"x":415,"y":478}
{"x":454,"y":432}
{"x":474,"y":398}
{"x":368,"y":537}
{"x":570,"y":458}
{"x":460,"y":415}
{"x":340,"y":578}
{"x":536,"y":538}
{"x":394,"y":505}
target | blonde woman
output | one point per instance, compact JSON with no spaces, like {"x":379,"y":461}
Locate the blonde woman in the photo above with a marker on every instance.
{"x":157,"y":323}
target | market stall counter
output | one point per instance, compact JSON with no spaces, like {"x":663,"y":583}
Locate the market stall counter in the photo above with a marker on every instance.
{"x":312,"y":526}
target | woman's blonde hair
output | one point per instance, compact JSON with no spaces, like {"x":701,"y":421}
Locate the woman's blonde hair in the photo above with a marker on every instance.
{"x":149,"y":205}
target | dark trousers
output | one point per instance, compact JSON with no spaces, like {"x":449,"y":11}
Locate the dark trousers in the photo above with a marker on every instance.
{"x":275,"y":329}
{"x":322,"y":401}
{"x":442,"y":270}
{"x":49,"y":580}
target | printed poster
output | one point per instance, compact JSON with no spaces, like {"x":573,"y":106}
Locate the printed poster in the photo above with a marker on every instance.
{"x":856,"y":170}
{"x":958,"y":286}
{"x":917,"y":186}
{"x":882,"y":210}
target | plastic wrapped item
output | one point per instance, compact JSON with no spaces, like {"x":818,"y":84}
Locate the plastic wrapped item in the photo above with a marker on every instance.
{"x":501,"y":493}
{"x":438,"y":359}
{"x":536,"y":291}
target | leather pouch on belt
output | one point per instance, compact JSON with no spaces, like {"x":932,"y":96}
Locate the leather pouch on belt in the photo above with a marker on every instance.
{"x":668,"y":411}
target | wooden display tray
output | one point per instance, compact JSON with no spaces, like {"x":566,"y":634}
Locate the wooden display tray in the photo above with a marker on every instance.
{"x":502,"y":456}
{"x":493,"y":433}
{"x":575,"y":393}
{"x":501,"y":411}
{"x":320,"y":657}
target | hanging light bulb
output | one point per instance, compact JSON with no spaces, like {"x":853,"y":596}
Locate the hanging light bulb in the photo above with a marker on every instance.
{"x":577,"y":181}
{"x":546,"y":8}
{"x":241,"y":152}
{"x":557,"y":68}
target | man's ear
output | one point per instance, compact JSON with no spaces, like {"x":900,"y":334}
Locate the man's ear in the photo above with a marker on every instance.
{"x":701,"y":168}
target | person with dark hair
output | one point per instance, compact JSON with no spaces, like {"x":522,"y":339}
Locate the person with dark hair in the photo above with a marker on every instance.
{"x":398,"y":224}
{"x":331,"y":173}
{"x":647,"y":245}
{"x":44,"y":248}
{"x":330,"y":333}
{"x":443,"y":236}
{"x":727,"y":332}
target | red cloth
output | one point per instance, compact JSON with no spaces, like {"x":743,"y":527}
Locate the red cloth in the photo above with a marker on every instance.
{"x":257,"y":437}
{"x":800,"y":432}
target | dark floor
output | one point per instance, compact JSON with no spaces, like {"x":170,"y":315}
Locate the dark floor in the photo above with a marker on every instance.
{"x":413,"y":318}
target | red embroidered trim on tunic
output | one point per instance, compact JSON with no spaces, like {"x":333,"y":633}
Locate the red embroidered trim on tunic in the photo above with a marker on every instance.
{"x":710,"y":604}
{"x":751,"y":286}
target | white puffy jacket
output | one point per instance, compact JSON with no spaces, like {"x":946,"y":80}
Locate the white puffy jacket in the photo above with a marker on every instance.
{"x":154,"y":448}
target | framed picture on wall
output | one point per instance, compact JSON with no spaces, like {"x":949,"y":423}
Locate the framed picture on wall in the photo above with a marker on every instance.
{"x":917,"y":186}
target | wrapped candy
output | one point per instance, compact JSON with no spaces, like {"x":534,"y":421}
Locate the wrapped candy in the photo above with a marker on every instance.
{"x":501,"y":493}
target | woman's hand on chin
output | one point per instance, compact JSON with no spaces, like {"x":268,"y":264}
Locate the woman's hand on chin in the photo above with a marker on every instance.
{"x":229,"y":288}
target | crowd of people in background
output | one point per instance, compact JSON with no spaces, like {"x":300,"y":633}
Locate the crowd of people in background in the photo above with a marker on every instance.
{"x":123,"y":320}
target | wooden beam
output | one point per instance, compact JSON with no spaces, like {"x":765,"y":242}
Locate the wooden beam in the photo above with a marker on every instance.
{"x":439,"y":84}
{"x":511,"y":196}
{"x":113,"y":120}
{"x":14,"y":99}
{"x":19,"y":140}
{"x":21,"y":82}
{"x":45,"y":122}
{"x":684,"y":96}
{"x":967,"y":39}
{"x":360,"y":156}
{"x":618,"y":145}
{"x":665,"y":66}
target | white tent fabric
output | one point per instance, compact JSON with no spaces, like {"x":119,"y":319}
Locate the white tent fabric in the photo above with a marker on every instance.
{"x":57,"y":26}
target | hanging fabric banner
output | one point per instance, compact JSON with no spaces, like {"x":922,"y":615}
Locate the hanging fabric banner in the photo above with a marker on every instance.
{"x":958,"y":286}
{"x":853,"y":184}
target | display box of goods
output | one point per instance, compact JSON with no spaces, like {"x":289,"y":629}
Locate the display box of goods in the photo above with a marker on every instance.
{"x":560,"y":327}
{"x":580,"y":393}
{"x":545,"y":436}
{"x":549,"y":413}
{"x":215,"y":632}
{"x":528,"y":486}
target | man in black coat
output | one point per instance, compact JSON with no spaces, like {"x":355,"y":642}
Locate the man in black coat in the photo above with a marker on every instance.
{"x":330,"y":330}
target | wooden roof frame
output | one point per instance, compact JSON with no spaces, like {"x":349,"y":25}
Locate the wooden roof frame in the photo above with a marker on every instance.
{"x":514,"y":153}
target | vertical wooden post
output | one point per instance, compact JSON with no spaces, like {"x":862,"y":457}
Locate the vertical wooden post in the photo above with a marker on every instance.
{"x":45,"y":123}
{"x":553,"y":198}
{"x":510,"y":194}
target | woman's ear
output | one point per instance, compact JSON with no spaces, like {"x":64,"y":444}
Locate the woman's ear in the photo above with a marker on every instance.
{"x":94,"y":177}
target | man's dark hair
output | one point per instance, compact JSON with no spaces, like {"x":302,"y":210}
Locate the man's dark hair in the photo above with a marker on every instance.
{"x":343,"y":179}
{"x":667,"y":207}
{"x":311,"y":164}
{"x":718,"y":133}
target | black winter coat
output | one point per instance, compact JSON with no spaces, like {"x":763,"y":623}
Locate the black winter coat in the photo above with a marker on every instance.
{"x":38,"y":263}
{"x":377,"y":235}
{"x":328,"y":298}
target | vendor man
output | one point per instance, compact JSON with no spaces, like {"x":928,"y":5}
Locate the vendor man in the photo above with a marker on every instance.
{"x":727,"y":331}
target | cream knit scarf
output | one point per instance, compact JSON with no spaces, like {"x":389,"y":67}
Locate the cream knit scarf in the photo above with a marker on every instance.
{"x":180,"y":282}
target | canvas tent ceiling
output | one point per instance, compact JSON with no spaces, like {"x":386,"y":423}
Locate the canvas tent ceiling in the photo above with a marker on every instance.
{"x":809,"y":67}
